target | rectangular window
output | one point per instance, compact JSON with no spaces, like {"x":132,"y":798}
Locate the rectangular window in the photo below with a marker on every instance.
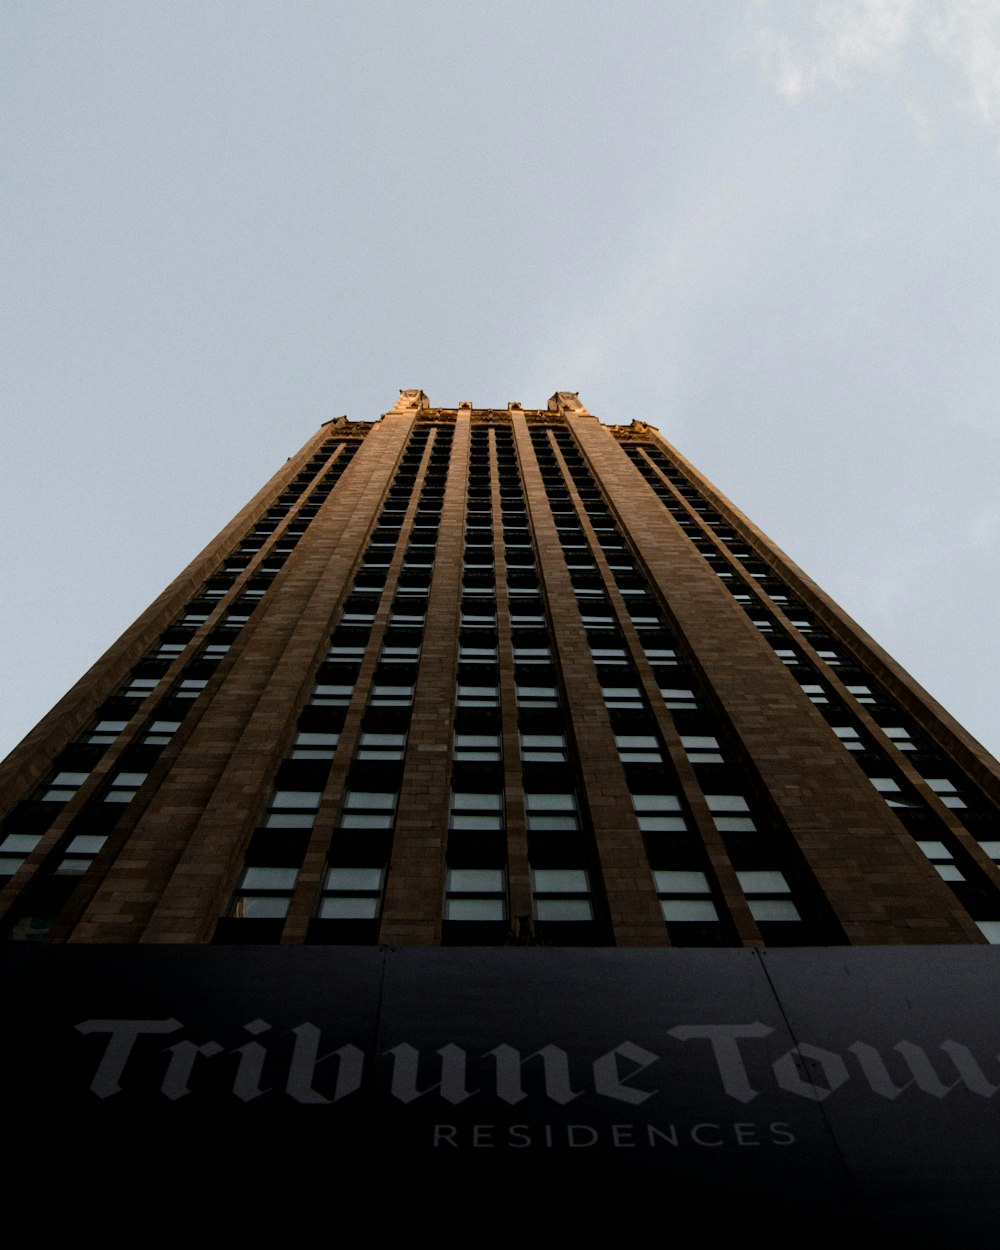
{"x":62,"y":787}
{"x":475,"y":812}
{"x":378,"y":746}
{"x":702,"y":749}
{"x":15,"y":849}
{"x":849,"y":736}
{"x":314,"y":746}
{"x":543,"y":748}
{"x":638,"y":748}
{"x":368,"y":809}
{"x":537,"y":696}
{"x":79,"y":855}
{"x":679,"y":700}
{"x":626,"y":698}
{"x":475,"y":894}
{"x":104,"y":732}
{"x":124,"y":786}
{"x":189,"y":688}
{"x":946,"y":791}
{"x":553,"y":813}
{"x":139,"y":687}
{"x":726,"y":809}
{"x":561,"y":894}
{"x":901,"y":738}
{"x":478,"y":697}
{"x":942,"y":859}
{"x":659,"y":813}
{"x":685,"y":897}
{"x":264,"y":893}
{"x":477,"y":748}
{"x":767,"y":893}
{"x":292,"y":809}
{"x":351,"y":893}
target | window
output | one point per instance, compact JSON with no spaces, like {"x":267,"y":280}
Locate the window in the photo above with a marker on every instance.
{"x":15,"y":849}
{"x":816,"y":693}
{"x":346,"y":654}
{"x":123,"y":787}
{"x":609,"y":655}
{"x":475,"y":894}
{"x":787,"y":656}
{"x":849,"y":736}
{"x":702,"y":749}
{"x":901,"y":738}
{"x":638,"y":748}
{"x":659,"y":813}
{"x":478,"y":697}
{"x":264,"y":893}
{"x":679,"y":700}
{"x":379,"y":746}
{"x":476,"y":812}
{"x":946,"y":791}
{"x":627,"y":698}
{"x":725,"y":809}
{"x":189,"y":688}
{"x":104,"y":732}
{"x":537,"y":696}
{"x":551,"y":812}
{"x":292,"y":809}
{"x":62,"y":787}
{"x":368,"y":809}
{"x":685,"y":896}
{"x":159,"y":732}
{"x":532,"y":655}
{"x":767,"y":894}
{"x":543,"y":748}
{"x":139,"y":687}
{"x":561,"y":894}
{"x":863,"y":694}
{"x":79,"y":854}
{"x":942,"y":859}
{"x":314,"y":746}
{"x":391,"y":696}
{"x":351,"y":893}
{"x":169,"y":650}
{"x":476,"y":748}
{"x":477,"y":655}
{"x":331,"y":694}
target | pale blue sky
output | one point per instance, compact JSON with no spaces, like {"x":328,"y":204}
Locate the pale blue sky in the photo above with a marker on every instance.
{"x":772,"y":229}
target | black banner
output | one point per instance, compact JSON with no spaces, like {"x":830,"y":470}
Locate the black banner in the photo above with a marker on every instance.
{"x":856,"y":1082}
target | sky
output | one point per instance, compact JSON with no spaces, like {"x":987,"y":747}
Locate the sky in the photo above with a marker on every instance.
{"x":771,"y":229}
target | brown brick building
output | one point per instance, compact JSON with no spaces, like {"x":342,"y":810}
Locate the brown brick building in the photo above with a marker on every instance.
{"x":508,"y":677}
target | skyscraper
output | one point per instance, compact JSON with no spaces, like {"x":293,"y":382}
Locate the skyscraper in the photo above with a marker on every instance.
{"x":466,"y":676}
{"x":526,"y":686}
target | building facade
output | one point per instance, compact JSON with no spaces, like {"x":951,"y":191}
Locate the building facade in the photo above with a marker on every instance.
{"x":492,"y":795}
{"x":476,"y":677}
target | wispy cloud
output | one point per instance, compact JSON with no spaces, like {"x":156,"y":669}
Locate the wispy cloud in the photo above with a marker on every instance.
{"x":844,"y":40}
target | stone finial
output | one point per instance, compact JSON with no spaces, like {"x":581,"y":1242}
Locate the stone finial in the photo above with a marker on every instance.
{"x":410,"y":401}
{"x":513,"y":406}
{"x":465,"y":405}
{"x":567,"y":402}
